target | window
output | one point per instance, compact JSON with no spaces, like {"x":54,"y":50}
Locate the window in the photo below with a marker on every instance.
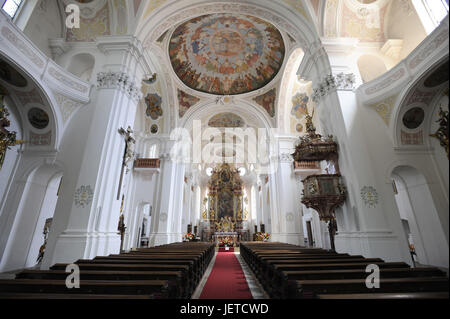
{"x":11,"y":7}
{"x":153,"y":151}
{"x":431,"y":12}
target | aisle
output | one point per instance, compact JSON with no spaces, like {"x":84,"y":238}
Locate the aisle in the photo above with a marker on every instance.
{"x":227,"y":280}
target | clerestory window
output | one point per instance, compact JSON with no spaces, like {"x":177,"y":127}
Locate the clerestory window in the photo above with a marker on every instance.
{"x":431,"y":12}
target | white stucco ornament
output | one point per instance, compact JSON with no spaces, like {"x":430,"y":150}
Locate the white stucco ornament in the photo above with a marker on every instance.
{"x":369,"y":195}
{"x":83,"y":196}
{"x":289,"y":217}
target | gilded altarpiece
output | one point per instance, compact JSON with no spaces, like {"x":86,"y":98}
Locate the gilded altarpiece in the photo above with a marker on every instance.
{"x":225,"y":215}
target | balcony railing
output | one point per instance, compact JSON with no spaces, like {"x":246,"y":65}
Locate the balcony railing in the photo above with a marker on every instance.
{"x":304,"y":165}
{"x":143,"y":163}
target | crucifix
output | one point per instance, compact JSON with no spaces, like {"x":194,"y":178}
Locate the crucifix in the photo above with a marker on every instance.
{"x":128,"y":154}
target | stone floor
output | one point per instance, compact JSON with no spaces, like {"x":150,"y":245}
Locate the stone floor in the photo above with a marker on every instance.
{"x":253,"y":283}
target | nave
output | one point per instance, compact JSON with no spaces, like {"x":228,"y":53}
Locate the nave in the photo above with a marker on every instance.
{"x":196,"y":270}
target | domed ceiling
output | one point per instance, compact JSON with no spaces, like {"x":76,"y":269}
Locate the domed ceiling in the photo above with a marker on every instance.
{"x":226,"y":54}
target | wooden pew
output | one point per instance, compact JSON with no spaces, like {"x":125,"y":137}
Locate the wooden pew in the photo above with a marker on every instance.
{"x":168,"y":271}
{"x":312,"y":288}
{"x":288,"y":271}
{"x":400,"y":295}
{"x":174,"y":278}
{"x":156,"y":289}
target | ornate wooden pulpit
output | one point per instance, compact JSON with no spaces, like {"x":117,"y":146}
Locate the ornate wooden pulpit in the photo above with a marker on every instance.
{"x":325,"y":192}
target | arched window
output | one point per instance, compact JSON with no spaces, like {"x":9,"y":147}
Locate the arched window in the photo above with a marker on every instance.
{"x":11,"y":7}
{"x":153,"y":151}
{"x":431,"y":12}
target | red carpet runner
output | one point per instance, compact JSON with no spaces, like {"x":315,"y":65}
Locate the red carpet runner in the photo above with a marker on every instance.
{"x":227,"y":280}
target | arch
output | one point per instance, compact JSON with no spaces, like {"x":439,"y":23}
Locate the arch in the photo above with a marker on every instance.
{"x":289,"y":76}
{"x":370,"y":67}
{"x":251,"y":113}
{"x":295,"y":22}
{"x":402,"y":100}
{"x":41,"y":93}
{"x":296,"y":26}
{"x":34,"y":200}
{"x":415,"y":204}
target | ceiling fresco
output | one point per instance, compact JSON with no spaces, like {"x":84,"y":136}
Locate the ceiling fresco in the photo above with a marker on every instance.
{"x":226,"y":54}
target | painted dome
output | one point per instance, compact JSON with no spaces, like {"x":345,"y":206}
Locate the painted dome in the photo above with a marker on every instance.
{"x":226,"y":54}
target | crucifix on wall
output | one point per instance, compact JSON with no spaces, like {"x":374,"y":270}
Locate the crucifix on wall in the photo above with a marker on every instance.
{"x":128,"y":154}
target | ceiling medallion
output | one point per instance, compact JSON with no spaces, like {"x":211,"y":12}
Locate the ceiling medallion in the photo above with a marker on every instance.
{"x":226,"y":54}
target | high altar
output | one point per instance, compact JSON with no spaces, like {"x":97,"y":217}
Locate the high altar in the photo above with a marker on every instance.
{"x":224,"y":217}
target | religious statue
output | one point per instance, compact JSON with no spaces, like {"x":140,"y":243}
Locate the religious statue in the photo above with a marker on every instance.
{"x":130,"y":142}
{"x":128,"y":154}
{"x":121,"y":228}
{"x":7,"y":138}
{"x":442,"y":133}
{"x":47,"y":226}
{"x":239,"y":214}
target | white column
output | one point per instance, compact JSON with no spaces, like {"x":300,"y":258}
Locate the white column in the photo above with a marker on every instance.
{"x":166,"y":222}
{"x":88,"y":211}
{"x":287,"y":222}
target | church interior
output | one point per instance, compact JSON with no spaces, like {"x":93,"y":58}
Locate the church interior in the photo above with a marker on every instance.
{"x":224,"y":149}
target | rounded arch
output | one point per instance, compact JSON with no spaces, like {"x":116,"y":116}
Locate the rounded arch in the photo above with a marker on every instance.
{"x":35,"y":93}
{"x":35,"y":200}
{"x":248,"y":111}
{"x":404,"y":99}
{"x":296,"y":22}
{"x":419,"y":214}
{"x":290,"y":73}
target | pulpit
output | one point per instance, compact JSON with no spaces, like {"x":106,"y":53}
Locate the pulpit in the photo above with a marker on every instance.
{"x":325,"y":192}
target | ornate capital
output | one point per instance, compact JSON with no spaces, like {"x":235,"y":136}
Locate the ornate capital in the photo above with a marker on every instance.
{"x":341,"y":81}
{"x":118,"y":80}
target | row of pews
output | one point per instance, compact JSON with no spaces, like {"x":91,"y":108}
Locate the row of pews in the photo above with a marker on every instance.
{"x":290,"y":272}
{"x":165,"y":272}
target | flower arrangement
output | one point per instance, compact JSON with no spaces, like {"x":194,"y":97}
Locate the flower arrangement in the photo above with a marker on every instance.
{"x":226,"y":242}
{"x":262,"y":237}
{"x":189,"y":237}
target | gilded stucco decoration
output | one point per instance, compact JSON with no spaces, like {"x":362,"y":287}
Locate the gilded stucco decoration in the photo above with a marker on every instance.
{"x":384,"y":108}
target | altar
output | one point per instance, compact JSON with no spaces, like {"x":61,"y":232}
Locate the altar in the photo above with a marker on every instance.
{"x":224,"y":216}
{"x":230,"y":238}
